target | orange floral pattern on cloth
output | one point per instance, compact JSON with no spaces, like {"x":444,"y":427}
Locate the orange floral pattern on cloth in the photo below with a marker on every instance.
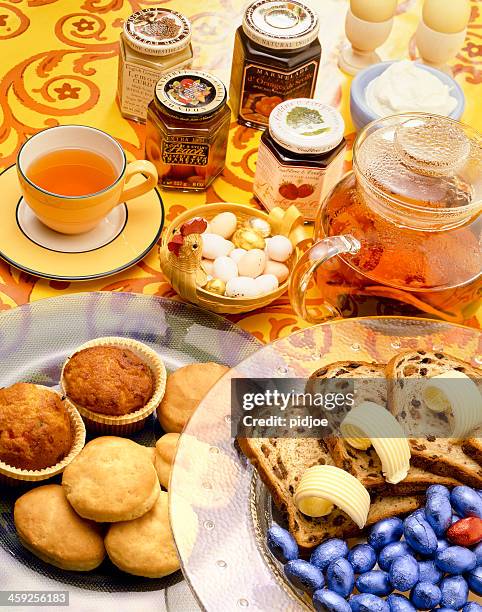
{"x":59,"y":66}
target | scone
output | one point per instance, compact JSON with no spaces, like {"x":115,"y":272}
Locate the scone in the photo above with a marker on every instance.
{"x":108,"y":380}
{"x":35,"y":428}
{"x":48,"y":526}
{"x":112,"y":479}
{"x":145,"y":546}
{"x":185,"y":388}
{"x":165,"y":452}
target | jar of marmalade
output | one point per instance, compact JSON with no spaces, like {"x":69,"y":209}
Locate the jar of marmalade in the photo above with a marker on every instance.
{"x":300,"y":157}
{"x":187,"y":129}
{"x":153,"y":41}
{"x":276,"y":57}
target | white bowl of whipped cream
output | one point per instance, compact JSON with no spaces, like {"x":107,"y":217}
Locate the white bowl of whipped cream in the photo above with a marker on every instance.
{"x":390,"y":88}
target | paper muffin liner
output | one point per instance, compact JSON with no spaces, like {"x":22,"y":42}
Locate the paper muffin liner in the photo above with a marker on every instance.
{"x":133,"y":421}
{"x":15,"y":476}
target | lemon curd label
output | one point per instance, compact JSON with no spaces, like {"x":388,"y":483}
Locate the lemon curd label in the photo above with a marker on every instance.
{"x":264,"y":88}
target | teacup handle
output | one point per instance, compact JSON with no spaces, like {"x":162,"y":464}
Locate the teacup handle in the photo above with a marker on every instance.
{"x":148,"y":170}
{"x":306,"y":266}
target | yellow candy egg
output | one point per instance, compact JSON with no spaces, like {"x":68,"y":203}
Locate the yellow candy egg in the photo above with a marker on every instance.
{"x":447,"y":16}
{"x":374,"y":11}
{"x":246,"y":238}
{"x":216,"y":285}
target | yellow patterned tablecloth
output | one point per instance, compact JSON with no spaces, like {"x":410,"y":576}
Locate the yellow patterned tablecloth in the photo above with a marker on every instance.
{"x":59,"y":65}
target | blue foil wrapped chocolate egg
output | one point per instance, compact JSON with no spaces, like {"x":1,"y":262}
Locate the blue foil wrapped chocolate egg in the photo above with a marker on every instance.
{"x":472,"y":606}
{"x":327,"y":552}
{"x":366,"y":602}
{"x":375,"y":582}
{"x":384,"y":532}
{"x":466,"y":501}
{"x":304,"y":575}
{"x":362,"y":558}
{"x":425,"y":595}
{"x":325,"y":600}
{"x":474,"y":580}
{"x":438,"y":512}
{"x":455,"y":591}
{"x":429,"y":572}
{"x":420,"y":535}
{"x":399,"y":603}
{"x":404,"y":573}
{"x":391,"y":552}
{"x":478,"y":553}
{"x":282,"y":544}
{"x":340,"y":577}
{"x":455,"y":560}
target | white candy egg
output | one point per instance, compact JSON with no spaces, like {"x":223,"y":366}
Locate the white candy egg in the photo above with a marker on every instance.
{"x":241,"y":287}
{"x":236,"y":254}
{"x":225,"y":268}
{"x":207,"y":265}
{"x":266,"y":283}
{"x":252,"y":263}
{"x":279,"y":248}
{"x":223,"y":224}
{"x":215,"y":246}
{"x":278,"y":269}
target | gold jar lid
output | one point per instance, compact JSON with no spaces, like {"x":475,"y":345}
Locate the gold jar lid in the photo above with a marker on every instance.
{"x":190,"y":93}
{"x":157,"y":31}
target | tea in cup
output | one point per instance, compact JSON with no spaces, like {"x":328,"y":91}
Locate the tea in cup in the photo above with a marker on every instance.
{"x":72,"y":176}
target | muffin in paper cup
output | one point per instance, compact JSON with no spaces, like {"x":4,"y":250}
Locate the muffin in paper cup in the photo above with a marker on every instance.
{"x":133,"y":421}
{"x":14,"y":476}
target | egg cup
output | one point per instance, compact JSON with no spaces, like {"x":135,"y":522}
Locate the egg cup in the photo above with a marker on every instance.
{"x":133,"y":421}
{"x":14,"y":476}
{"x":436,"y":48}
{"x":287,"y":223}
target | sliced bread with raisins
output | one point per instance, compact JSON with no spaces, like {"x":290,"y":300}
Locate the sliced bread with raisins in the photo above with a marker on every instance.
{"x":441,"y":455}
{"x":280,"y":462}
{"x":473,"y":445}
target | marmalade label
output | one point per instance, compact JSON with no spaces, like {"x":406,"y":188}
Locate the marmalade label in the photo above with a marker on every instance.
{"x":264,"y":88}
{"x":186,"y":151}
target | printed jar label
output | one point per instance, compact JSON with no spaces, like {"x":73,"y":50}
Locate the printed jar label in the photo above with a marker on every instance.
{"x":303,"y":186}
{"x":263,"y":88}
{"x":187,"y":158}
{"x":136,"y":89}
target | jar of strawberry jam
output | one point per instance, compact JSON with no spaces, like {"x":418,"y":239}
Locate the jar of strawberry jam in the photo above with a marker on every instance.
{"x":187,"y":129}
{"x":276,"y":57}
{"x":300,"y":157}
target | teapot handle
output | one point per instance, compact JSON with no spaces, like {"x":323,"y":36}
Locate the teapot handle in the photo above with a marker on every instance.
{"x":306,"y":266}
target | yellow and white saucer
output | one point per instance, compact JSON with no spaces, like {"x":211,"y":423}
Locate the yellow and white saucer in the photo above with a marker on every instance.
{"x":122,"y":239}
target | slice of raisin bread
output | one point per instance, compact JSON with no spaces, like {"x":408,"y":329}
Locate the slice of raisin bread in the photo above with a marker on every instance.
{"x":441,"y":455}
{"x":371,"y":385}
{"x":473,"y":445}
{"x":281,"y":462}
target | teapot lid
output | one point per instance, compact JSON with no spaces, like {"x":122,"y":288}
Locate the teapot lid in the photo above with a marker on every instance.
{"x":425,"y":160}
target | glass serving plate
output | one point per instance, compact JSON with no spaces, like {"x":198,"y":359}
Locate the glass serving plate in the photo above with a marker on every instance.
{"x":223,"y":552}
{"x":34,"y":342}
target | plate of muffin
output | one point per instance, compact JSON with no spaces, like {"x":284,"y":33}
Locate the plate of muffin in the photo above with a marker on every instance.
{"x":95,"y":391}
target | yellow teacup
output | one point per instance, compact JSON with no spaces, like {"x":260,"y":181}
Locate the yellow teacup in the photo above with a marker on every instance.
{"x":75,"y":214}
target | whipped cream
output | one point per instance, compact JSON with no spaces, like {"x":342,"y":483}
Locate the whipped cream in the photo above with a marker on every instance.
{"x":405,"y":87}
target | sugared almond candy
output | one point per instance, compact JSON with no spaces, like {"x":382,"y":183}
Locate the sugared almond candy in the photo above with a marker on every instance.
{"x":279,"y":248}
{"x":223,"y":224}
{"x":466,"y":532}
{"x":252,"y":263}
{"x":278,"y":269}
{"x":215,"y":246}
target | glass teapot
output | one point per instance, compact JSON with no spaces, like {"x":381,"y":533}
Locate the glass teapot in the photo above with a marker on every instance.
{"x":402,"y":232}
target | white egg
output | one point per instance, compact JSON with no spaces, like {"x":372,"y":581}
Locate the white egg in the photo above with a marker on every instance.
{"x":225,"y":268}
{"x":215,"y":246}
{"x":252,"y":263}
{"x":278,"y":269}
{"x":223,"y":224}
{"x":241,"y":287}
{"x":266,"y":283}
{"x":279,"y":248}
{"x":236,"y":254}
{"x":207,"y":265}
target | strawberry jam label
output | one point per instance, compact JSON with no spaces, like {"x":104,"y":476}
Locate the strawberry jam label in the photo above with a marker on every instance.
{"x":264,"y":88}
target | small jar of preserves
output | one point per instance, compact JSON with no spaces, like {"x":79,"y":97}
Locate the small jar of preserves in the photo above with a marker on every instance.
{"x":300,"y":157}
{"x":187,"y":129}
{"x":276,"y":57}
{"x":153,"y":41}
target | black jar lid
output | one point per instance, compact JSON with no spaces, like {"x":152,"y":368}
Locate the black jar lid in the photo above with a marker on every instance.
{"x":190,"y":93}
